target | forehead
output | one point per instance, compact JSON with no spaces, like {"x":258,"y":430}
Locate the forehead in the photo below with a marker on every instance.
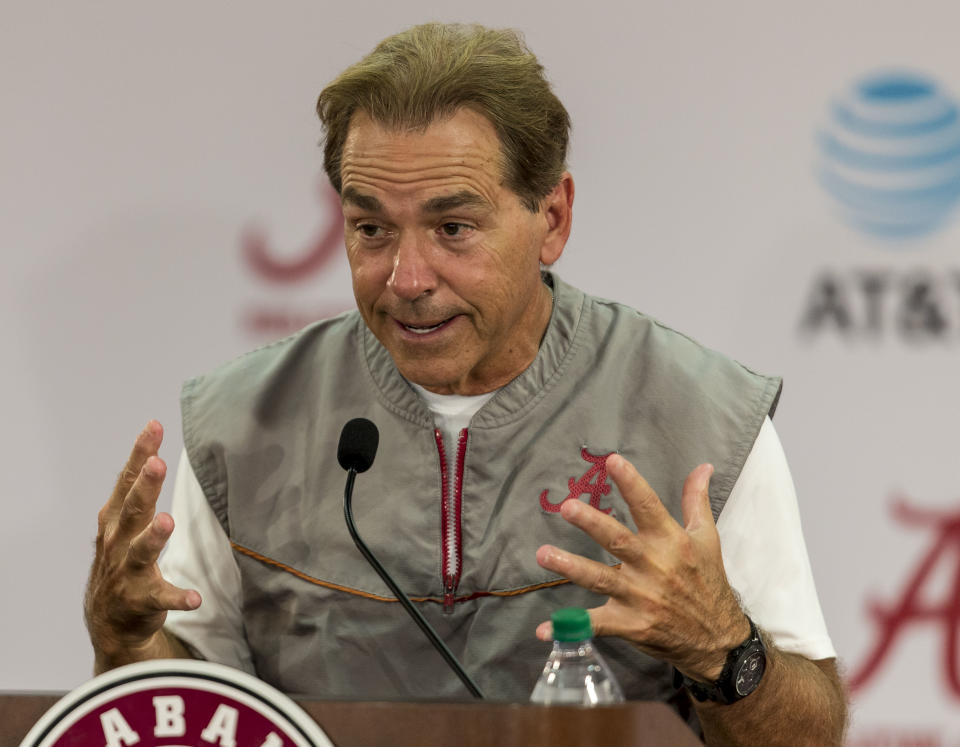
{"x":459,"y":152}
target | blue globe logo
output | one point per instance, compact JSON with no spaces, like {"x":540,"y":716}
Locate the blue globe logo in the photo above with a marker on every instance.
{"x":891,"y":155}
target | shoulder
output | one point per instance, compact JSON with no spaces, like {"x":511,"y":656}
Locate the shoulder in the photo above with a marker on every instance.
{"x":647,"y":345}
{"x":240,"y":407}
{"x":250,"y":370}
{"x":263,"y":390}
{"x":677,"y":396}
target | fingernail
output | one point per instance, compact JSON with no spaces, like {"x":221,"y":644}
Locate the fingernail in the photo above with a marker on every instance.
{"x":152,"y":467}
{"x":552,"y":560}
{"x":708,"y":473}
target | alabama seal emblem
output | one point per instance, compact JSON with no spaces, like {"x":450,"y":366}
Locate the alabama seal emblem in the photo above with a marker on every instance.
{"x":175,"y":703}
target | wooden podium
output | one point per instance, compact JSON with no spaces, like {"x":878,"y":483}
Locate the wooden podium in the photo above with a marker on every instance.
{"x":398,"y":724}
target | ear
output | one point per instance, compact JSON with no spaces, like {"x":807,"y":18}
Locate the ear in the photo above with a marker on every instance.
{"x":558,"y":210}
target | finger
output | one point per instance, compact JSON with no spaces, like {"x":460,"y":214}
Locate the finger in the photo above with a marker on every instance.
{"x":695,"y":503}
{"x":146,"y":445}
{"x":606,"y":531}
{"x":170,"y":597}
{"x":647,"y":510}
{"x":605,"y":622}
{"x":147,"y":546}
{"x":590,"y":574}
{"x":140,"y":503}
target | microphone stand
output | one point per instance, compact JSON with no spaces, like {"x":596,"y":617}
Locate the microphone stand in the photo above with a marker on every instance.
{"x":398,"y":593}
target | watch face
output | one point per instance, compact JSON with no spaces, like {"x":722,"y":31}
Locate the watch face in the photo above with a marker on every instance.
{"x":750,"y":672}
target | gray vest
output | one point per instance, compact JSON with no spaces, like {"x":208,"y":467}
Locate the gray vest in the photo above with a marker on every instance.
{"x":262,"y":432}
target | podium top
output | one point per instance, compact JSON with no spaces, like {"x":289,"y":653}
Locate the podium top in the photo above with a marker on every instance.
{"x":468,"y":724}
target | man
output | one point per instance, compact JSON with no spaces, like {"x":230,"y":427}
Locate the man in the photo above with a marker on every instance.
{"x":495,"y":386}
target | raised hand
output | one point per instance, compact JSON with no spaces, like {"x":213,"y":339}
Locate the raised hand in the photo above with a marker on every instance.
{"x":670,"y":595}
{"x":127,"y":599}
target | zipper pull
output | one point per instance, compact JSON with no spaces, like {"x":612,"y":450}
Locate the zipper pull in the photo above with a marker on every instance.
{"x":448,"y":598}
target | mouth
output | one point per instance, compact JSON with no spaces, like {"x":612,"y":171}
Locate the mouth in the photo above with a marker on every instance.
{"x":422,"y":330}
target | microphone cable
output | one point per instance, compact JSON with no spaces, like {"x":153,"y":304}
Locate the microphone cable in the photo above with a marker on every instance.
{"x":358,"y":447}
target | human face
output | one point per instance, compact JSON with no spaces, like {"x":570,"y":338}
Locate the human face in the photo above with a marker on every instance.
{"x":445,"y":259}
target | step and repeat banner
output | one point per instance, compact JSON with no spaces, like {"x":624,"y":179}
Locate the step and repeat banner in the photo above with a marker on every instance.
{"x":778,"y":180}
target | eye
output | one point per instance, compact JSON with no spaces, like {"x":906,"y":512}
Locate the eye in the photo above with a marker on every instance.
{"x":454,"y":229}
{"x":369,"y":230}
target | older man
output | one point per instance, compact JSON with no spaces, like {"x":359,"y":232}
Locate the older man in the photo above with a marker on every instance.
{"x":504,"y":396}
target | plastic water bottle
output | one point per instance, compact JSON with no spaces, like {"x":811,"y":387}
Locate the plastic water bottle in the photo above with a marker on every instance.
{"x":575,"y":673}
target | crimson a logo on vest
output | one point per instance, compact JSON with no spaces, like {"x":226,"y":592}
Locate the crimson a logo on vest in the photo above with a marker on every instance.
{"x":889,"y":161}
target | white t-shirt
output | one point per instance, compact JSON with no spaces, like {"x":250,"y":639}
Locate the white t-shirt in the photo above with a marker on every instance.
{"x":764,"y":554}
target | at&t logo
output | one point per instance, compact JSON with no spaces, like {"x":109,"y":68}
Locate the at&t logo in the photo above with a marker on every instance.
{"x":890,"y":154}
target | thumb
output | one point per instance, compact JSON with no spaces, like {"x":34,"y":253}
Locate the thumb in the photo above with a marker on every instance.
{"x":598,"y":626}
{"x":695,"y":503}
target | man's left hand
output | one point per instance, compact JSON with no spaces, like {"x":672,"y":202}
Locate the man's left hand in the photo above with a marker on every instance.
{"x":670,"y":595}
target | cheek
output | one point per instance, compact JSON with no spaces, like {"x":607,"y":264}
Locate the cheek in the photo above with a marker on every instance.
{"x":517,"y":269}
{"x":366,"y":289}
{"x":369,"y":273}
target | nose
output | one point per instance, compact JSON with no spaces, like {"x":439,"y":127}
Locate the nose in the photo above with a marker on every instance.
{"x":413,"y":275}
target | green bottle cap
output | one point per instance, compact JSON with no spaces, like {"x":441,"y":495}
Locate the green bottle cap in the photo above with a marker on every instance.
{"x":571,"y":624}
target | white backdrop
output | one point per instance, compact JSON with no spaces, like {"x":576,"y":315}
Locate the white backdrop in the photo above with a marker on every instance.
{"x":146,"y":148}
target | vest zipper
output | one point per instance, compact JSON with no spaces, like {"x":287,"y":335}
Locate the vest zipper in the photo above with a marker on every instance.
{"x":450,"y":519}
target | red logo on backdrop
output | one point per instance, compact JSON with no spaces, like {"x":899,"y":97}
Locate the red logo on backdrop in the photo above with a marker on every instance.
{"x":266,"y":264}
{"x":912,"y":608}
{"x":176,"y":702}
{"x":276,"y":269}
{"x":593,"y":482}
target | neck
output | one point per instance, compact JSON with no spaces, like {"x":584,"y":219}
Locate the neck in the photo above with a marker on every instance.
{"x":516,"y":358}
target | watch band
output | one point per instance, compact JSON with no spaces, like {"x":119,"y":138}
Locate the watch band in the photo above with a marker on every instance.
{"x":741,"y":673}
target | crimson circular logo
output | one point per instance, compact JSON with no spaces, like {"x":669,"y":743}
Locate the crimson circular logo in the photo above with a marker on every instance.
{"x":176,"y":703}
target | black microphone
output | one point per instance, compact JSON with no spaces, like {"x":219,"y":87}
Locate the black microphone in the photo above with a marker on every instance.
{"x":358,"y":447}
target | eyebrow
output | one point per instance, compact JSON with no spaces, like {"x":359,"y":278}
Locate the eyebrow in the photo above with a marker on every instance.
{"x":362,"y":201}
{"x":463,"y":198}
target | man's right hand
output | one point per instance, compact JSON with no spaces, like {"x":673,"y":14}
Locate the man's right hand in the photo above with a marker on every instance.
{"x":127,"y":599}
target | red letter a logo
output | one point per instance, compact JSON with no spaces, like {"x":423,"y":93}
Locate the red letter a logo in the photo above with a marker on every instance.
{"x":911,"y":608}
{"x":593,"y":482}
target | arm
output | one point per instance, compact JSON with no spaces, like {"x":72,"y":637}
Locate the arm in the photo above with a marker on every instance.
{"x":127,"y":598}
{"x":671,"y":598}
{"x":815,"y":713}
{"x":162,"y":645}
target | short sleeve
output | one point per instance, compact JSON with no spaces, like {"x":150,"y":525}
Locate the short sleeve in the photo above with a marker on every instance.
{"x":765,"y":556}
{"x":198,"y":556}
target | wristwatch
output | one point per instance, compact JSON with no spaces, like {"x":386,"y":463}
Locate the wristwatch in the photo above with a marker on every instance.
{"x":741,"y":673}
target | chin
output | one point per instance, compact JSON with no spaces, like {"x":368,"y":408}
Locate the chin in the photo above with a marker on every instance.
{"x":430,"y":380}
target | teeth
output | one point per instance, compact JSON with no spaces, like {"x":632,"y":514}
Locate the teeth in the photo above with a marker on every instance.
{"x":423,"y":330}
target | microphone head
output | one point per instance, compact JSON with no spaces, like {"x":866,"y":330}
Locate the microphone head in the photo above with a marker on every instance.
{"x":358,"y":445}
